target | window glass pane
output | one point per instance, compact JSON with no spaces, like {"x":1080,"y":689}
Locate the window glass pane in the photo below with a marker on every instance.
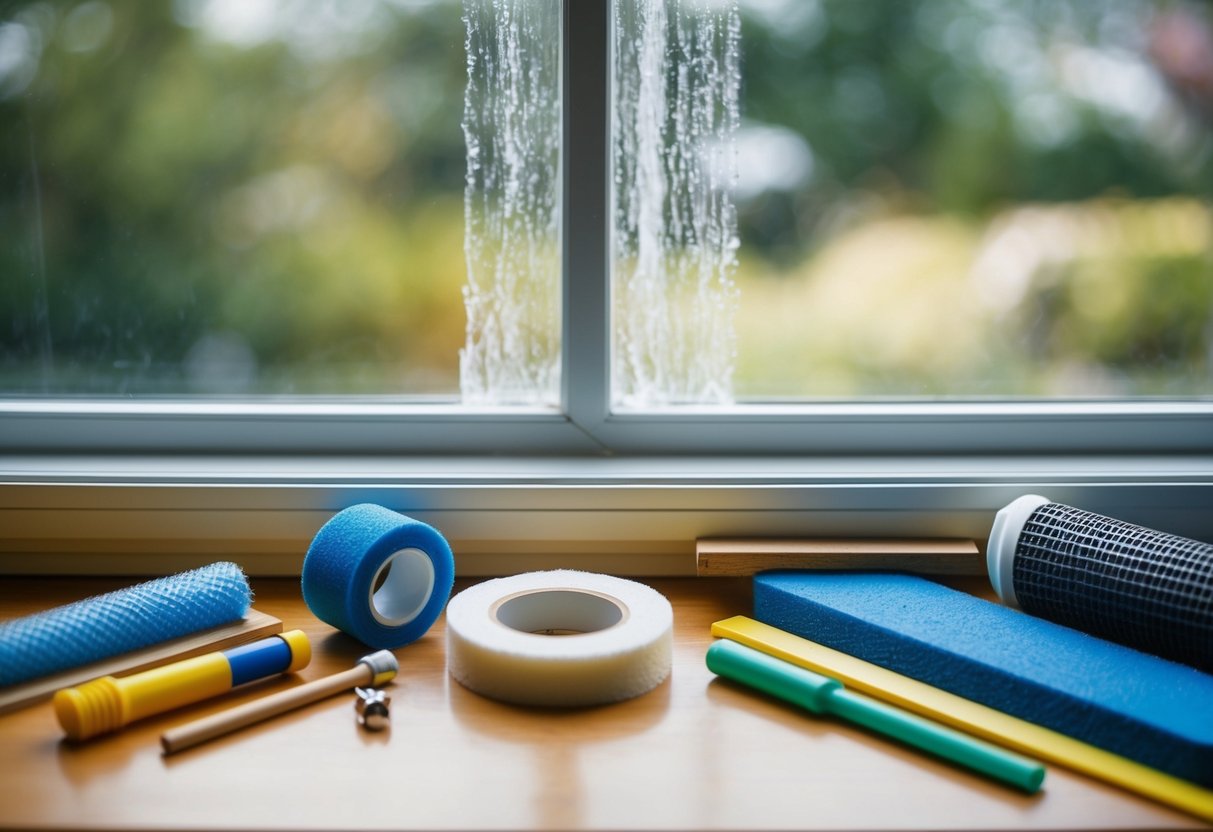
{"x":234,"y":196}
{"x":674,"y":226}
{"x":951,"y":198}
{"x":976,"y":198}
{"x":512,"y":124}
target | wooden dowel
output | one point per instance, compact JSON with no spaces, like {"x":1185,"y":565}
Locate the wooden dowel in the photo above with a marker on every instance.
{"x":241,"y":716}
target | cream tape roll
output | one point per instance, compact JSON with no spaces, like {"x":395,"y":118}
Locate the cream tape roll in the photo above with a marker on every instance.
{"x":560,"y":638}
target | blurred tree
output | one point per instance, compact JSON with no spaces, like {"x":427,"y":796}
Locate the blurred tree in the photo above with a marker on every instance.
{"x":950,"y":116}
{"x":170,"y":181}
{"x":962,"y":105}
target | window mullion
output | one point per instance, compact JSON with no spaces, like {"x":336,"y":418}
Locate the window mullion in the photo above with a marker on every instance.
{"x":585,"y":171}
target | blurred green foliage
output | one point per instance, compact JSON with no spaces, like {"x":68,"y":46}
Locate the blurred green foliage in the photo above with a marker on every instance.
{"x":182,"y":210}
{"x":935,"y":97}
{"x":198,"y":199}
{"x":954,"y":117}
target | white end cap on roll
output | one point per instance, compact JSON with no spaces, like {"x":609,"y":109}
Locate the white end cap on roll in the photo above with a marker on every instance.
{"x":1004,"y":538}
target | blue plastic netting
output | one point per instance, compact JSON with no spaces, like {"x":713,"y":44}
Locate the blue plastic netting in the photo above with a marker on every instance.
{"x":117,"y":622}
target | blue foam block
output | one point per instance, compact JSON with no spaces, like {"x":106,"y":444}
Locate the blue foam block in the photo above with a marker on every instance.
{"x":1148,"y":709}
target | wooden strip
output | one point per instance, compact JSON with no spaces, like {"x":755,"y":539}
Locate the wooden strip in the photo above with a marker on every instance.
{"x":253,"y":626}
{"x":734,"y":557}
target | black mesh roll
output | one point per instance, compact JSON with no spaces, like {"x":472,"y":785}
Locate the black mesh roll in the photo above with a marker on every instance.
{"x":1125,"y":583}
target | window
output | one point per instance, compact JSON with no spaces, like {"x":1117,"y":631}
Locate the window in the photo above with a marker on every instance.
{"x":344,"y":175}
{"x":207,"y":197}
{"x":974,"y":200}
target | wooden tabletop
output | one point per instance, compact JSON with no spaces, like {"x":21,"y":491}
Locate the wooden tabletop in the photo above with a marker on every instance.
{"x":696,"y":753}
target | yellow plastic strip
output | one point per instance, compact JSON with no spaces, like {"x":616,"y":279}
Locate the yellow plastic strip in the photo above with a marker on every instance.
{"x":969,"y":716}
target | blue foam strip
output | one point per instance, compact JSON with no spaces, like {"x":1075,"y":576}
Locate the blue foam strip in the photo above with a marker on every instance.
{"x":345,"y":555}
{"x":258,"y":659}
{"x":1148,"y":709}
{"x":118,"y":622}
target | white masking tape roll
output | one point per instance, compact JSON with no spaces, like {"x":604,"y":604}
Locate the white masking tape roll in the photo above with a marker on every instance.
{"x":561,"y":638}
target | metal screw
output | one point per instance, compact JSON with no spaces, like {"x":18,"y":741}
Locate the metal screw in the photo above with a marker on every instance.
{"x":372,"y":708}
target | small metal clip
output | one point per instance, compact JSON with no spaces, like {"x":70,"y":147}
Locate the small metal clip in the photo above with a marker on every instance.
{"x":372,"y":708}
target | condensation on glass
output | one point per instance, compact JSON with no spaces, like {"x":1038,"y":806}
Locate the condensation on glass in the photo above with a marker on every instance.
{"x":512,"y":128}
{"x":675,"y":111}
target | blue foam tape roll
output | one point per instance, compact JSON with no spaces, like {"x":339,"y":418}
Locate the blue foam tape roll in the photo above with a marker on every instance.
{"x":118,"y":622}
{"x":367,"y":545}
{"x":1148,"y":709}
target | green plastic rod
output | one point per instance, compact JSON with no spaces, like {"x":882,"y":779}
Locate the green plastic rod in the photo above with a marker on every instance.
{"x":823,"y":695}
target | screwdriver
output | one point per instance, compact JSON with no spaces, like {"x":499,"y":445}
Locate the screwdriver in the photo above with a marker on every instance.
{"x":107,"y":704}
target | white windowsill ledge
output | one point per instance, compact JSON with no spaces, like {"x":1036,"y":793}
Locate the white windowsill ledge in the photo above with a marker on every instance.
{"x":641,"y":516}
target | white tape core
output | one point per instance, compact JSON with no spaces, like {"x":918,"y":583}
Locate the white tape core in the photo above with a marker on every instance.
{"x":407,"y":584}
{"x":559,"y":612}
{"x":615,"y":638}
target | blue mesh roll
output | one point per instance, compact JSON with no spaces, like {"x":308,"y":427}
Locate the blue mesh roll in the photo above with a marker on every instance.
{"x":117,"y":622}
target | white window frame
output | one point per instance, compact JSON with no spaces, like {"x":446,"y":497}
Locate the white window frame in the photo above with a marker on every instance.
{"x":624,"y":490}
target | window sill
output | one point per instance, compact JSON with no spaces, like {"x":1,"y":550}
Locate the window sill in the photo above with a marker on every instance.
{"x":134,"y":515}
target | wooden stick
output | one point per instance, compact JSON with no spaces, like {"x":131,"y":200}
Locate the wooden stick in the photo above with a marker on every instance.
{"x":924,"y":556}
{"x":241,"y":716}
